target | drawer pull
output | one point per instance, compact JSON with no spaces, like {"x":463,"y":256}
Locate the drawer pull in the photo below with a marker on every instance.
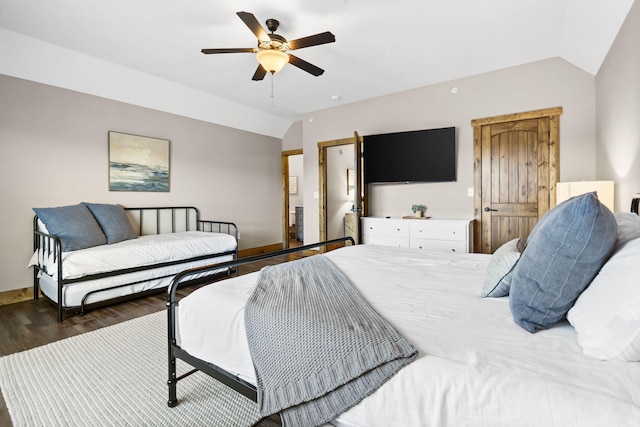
{"x":397,"y":229}
{"x":453,"y":250}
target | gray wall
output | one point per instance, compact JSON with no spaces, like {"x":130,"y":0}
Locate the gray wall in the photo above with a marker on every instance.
{"x":618,"y":113}
{"x":55,"y":152}
{"x":292,"y":139}
{"x":544,"y":84}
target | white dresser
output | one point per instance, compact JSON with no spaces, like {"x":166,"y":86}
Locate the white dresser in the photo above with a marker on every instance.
{"x":450,"y":235}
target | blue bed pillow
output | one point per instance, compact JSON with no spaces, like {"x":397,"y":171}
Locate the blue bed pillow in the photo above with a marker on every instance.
{"x":73,"y":225}
{"x":562,"y":256}
{"x":113,"y":221}
{"x":497,"y":281}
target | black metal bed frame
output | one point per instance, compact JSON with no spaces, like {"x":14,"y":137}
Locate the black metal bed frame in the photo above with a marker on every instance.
{"x":176,"y":352}
{"x":165,"y":220}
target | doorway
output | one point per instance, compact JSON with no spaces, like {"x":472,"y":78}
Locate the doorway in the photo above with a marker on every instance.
{"x":516,"y":167}
{"x":292,"y":199}
{"x":341,"y":197}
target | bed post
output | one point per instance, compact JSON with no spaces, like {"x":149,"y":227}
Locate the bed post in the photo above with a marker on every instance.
{"x":172,"y":380}
{"x":36,"y":247}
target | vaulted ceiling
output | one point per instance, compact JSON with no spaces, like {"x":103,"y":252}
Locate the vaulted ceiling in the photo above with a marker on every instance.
{"x":381,"y":46}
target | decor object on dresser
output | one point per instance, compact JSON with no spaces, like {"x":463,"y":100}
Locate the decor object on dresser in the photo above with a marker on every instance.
{"x":138,"y":163}
{"x":418,"y":210}
{"x":90,"y":253}
{"x":479,"y":363}
{"x":450,"y":235}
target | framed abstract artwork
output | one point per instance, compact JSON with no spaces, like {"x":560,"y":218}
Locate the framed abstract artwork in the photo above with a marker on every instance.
{"x":293,"y":185}
{"x":138,"y":163}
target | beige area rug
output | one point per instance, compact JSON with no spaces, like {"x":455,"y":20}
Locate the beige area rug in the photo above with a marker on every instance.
{"x":115,"y":376}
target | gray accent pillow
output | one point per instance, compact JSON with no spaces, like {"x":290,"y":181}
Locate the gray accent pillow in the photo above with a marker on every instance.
{"x":560,"y":260}
{"x":113,"y":222}
{"x":628,"y":227}
{"x":498,"y":278}
{"x":73,"y":225}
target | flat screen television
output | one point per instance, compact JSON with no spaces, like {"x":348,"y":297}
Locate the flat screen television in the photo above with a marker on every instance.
{"x":414,"y":156}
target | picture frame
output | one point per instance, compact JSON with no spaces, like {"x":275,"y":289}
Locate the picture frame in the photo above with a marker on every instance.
{"x":293,"y":185}
{"x":138,"y":163}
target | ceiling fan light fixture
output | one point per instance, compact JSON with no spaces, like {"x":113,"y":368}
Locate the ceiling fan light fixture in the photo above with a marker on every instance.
{"x":272,"y":60}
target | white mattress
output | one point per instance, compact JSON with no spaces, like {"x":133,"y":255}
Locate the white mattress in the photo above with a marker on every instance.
{"x":141,"y":251}
{"x":476,"y":367}
{"x":151,"y":279}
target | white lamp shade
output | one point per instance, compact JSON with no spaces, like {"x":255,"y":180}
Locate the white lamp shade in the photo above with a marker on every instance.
{"x":272,"y":60}
{"x":566,"y":190}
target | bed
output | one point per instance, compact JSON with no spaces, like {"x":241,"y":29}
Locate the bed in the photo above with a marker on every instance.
{"x":89,"y":254}
{"x":477,"y":363}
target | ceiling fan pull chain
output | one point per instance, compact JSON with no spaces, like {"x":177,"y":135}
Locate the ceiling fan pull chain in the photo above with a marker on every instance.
{"x":273,"y":105}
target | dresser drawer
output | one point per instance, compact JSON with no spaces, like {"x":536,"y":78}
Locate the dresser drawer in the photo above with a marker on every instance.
{"x":439,"y":230}
{"x":400,"y":242}
{"x":385,"y":227}
{"x":440,"y":245}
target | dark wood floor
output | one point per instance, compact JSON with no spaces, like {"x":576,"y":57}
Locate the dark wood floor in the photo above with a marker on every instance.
{"x":30,"y":324}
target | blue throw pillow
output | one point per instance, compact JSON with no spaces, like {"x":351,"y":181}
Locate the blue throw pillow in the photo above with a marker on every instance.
{"x":113,"y":221}
{"x":562,"y":256}
{"x":73,"y":225}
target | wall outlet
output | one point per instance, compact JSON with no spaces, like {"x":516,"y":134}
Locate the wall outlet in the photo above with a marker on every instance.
{"x":316,"y":194}
{"x":470,"y":191}
{"x":238,"y":235}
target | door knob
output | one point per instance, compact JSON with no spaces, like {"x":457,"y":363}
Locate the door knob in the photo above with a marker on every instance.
{"x":488,"y":209}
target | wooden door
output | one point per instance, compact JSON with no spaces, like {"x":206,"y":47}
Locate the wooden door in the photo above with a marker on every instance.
{"x":516,"y":169}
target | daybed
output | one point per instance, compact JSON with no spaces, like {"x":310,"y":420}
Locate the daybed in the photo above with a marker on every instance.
{"x":91,"y":253}
{"x":482,"y":361}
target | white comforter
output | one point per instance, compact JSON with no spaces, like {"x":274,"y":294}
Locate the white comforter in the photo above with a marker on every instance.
{"x":144,"y":250}
{"x":476,"y":367}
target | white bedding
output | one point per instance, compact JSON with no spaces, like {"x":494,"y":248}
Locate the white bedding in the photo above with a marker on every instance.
{"x":141,"y":251}
{"x":73,"y":293}
{"x":475,"y":367}
{"x":144,"y":250}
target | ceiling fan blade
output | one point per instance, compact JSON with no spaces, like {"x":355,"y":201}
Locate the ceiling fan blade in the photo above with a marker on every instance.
{"x":253,"y":24}
{"x":259,"y":74}
{"x":322,"y":38}
{"x":304,"y":65}
{"x":230,"y":50}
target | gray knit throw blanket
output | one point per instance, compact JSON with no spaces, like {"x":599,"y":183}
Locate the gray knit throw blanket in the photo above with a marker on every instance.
{"x":318,"y":348}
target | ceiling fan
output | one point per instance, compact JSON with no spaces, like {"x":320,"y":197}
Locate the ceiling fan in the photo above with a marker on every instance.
{"x":271,"y":52}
